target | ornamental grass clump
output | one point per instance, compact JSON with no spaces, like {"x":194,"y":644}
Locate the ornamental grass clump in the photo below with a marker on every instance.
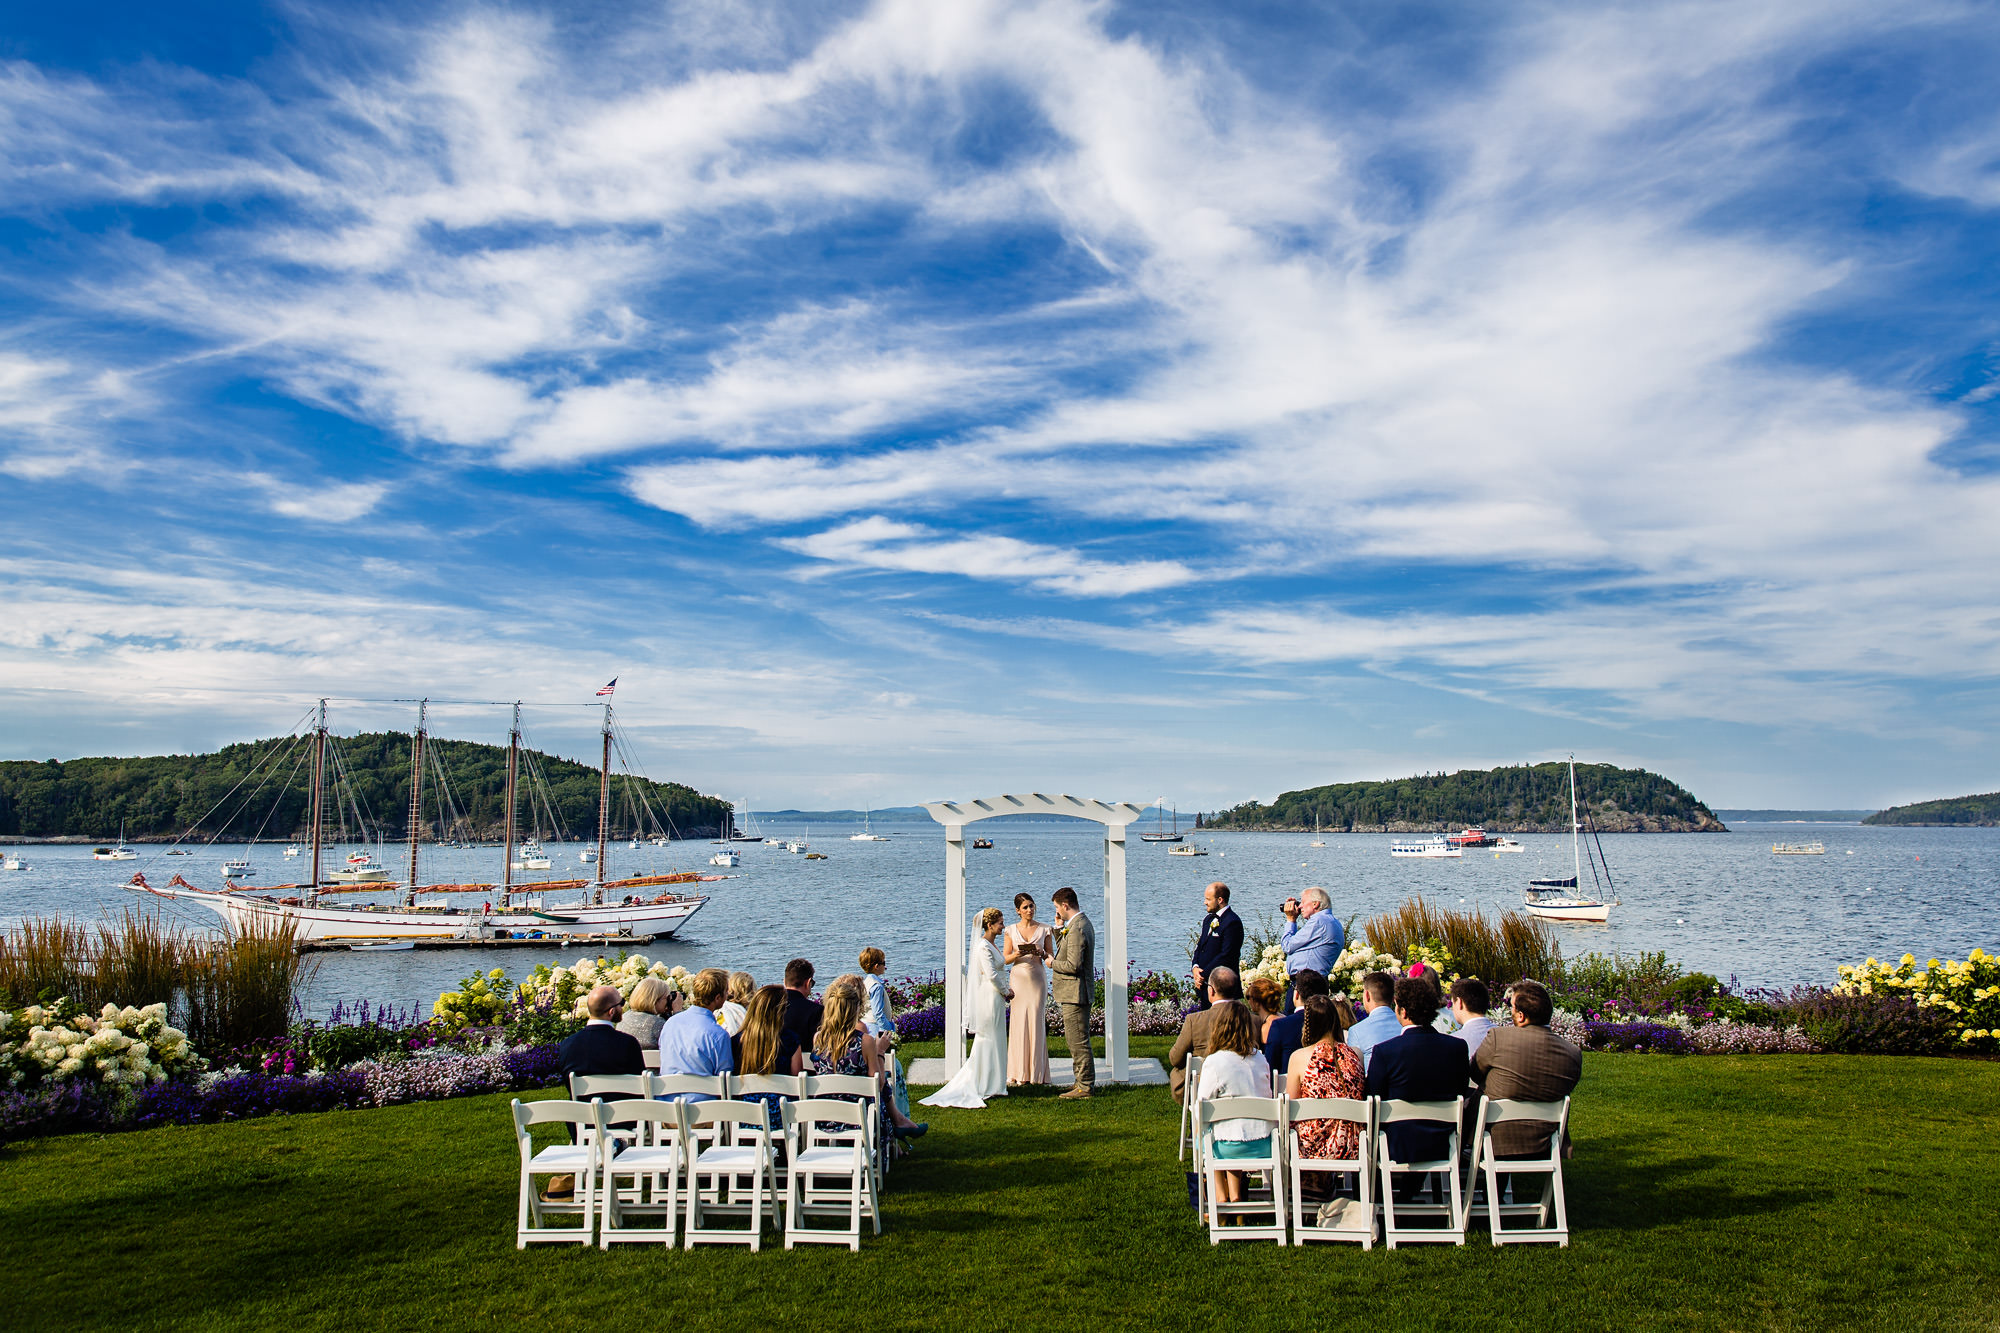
{"x":240,"y":993}
{"x":48,"y":958}
{"x":140,"y":959}
{"x":1498,"y":952}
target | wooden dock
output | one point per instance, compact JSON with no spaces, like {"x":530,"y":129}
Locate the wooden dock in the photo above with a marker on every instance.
{"x":448,"y":942}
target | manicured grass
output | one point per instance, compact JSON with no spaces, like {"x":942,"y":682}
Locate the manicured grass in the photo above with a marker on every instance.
{"x":1757,"y":1192}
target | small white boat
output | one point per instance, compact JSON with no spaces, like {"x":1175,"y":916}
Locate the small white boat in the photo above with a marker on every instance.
{"x":726,"y":857}
{"x":14,"y":862}
{"x":361,"y":868}
{"x":774,"y":842}
{"x":633,"y":845}
{"x":1509,"y":845}
{"x":381,"y":946}
{"x":797,"y":848}
{"x":292,"y":850}
{"x":1562,"y":906}
{"x":176,"y":851}
{"x":868,"y":833}
{"x":1188,"y":850}
{"x":1318,"y":841}
{"x":588,"y":855}
{"x":236,"y":869}
{"x":1427,"y":848}
{"x":531,"y":857}
{"x":1798,"y":849}
{"x":658,"y":840}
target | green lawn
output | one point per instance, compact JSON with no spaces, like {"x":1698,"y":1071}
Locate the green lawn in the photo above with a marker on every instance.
{"x":1764,"y":1192}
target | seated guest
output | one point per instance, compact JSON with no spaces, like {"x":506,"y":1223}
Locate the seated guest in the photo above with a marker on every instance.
{"x":767,"y":1046}
{"x":1326,"y":1066}
{"x":601,"y":1048}
{"x":1378,"y":991}
{"x":843,"y":1046}
{"x":1234,"y":1068}
{"x":802,"y":1014}
{"x":1420,"y":1065}
{"x":1193,"y":1039}
{"x":1526,"y":1063}
{"x":1285,"y":1034}
{"x":653,"y":1002}
{"x":693,"y":1042}
{"x":1469,"y":1002}
{"x":876,"y":1011}
{"x":1266,"y":1000}
{"x":741,"y":987}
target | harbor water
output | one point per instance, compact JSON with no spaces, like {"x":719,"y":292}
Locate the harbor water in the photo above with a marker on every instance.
{"x":1719,"y":903}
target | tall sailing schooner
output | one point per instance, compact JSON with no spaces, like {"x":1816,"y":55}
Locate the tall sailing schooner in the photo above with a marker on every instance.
{"x":637,"y":905}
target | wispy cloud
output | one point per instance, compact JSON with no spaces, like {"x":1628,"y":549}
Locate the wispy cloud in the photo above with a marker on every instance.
{"x":880,"y":543}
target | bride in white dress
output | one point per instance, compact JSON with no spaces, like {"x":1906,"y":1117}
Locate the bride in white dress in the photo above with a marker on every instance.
{"x":984,"y":1074}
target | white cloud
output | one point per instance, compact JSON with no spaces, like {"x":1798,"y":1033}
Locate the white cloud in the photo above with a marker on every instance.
{"x":325,"y":502}
{"x":880,"y":543}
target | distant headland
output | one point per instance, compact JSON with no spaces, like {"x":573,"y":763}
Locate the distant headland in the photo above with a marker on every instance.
{"x":1970,"y":811}
{"x":1527,"y":798}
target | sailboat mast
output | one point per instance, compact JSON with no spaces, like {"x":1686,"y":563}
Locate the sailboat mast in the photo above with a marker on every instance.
{"x":513,"y":768}
{"x":1575,"y":842}
{"x":603,"y":802}
{"x":318,"y":795}
{"x":416,"y":798}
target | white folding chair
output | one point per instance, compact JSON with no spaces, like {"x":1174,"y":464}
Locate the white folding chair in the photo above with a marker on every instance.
{"x":807,"y":1194}
{"x":578,"y":1158}
{"x":1447,"y":1204}
{"x":869,"y":1090}
{"x":741,"y":1147}
{"x":1359,"y":1222}
{"x":1207,"y":1115}
{"x":1551,"y":1211}
{"x":596,"y":1087}
{"x":654,"y":1168}
{"x":1185,"y":1138}
{"x":652,"y":1057}
{"x":680,"y":1087}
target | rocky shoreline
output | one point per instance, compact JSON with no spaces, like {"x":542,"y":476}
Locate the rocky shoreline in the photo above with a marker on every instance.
{"x":1616,"y":821}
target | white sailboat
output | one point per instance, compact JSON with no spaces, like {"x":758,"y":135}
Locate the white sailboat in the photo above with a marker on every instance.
{"x":119,"y":853}
{"x":868,"y":833}
{"x":1563,"y":899}
{"x":1318,"y":840}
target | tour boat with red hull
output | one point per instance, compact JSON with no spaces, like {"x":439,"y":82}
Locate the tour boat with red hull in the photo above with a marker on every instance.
{"x":653,"y":905}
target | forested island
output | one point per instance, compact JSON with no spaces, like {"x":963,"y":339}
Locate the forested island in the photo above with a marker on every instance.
{"x":164,"y":796}
{"x":1519,"y":799}
{"x":1971,"y":811}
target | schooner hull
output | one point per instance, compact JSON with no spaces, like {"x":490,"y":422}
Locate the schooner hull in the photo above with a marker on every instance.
{"x":334,"y":923}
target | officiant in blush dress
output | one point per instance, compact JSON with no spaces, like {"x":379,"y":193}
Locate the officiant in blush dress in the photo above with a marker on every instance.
{"x":1029,"y":946}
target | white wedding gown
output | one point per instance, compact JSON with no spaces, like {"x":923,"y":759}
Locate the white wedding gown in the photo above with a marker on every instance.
{"x":984,"y":1074}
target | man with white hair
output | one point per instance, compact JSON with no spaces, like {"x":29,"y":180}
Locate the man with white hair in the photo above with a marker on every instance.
{"x":1312,"y":939}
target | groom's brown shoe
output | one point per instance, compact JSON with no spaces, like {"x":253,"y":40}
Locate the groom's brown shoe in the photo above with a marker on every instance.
{"x":1076,"y":1093}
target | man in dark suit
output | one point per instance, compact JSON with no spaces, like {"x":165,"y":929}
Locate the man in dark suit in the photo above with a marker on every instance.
{"x":1288,"y":1030}
{"x":1221,"y":941}
{"x":1223,"y":984}
{"x":601,"y":1048}
{"x":1526,"y":1063}
{"x":802,"y":1012}
{"x":1421,"y":1065}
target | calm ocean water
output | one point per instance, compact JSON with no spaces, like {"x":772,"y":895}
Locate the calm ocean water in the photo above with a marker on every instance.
{"x":1718,"y":902}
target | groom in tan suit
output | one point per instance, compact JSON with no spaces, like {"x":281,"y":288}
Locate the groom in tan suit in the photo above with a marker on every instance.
{"x":1075,"y":967}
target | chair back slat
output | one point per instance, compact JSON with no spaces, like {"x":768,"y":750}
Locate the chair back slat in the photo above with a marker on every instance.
{"x":781,"y":1085}
{"x":554,"y":1112}
{"x":583,"y":1087}
{"x":853,"y":1085}
{"x":1395,"y":1111}
{"x":1499,"y":1112}
{"x":754,"y":1114}
{"x":1326,"y":1108}
{"x":681,"y":1085}
{"x":652,"y":1058}
{"x":832,"y":1112}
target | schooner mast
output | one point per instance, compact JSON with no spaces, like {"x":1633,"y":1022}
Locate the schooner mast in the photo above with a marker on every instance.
{"x":318,"y":797}
{"x":416,"y":799}
{"x":603,"y":806}
{"x":513,"y":768}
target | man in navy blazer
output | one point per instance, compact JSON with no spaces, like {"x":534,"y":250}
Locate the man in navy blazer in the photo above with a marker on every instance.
{"x":1421,"y":1065}
{"x":601,"y":1048}
{"x":1221,"y":941}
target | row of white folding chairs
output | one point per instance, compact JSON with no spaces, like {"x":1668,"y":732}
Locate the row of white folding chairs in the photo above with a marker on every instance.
{"x":1285,"y":1163}
{"x":882,"y":1154}
{"x":688,"y":1162}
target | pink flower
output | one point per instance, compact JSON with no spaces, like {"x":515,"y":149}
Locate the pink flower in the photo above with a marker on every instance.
{"x":1416,"y":969}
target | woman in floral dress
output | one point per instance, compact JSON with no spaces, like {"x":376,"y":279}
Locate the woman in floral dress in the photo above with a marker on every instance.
{"x":1325,"y":1066}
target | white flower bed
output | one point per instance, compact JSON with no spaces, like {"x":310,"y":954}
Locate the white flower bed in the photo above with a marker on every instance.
{"x":121,"y":1047}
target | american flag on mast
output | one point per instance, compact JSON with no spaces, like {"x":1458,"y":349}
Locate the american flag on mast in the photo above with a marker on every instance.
{"x":605,"y":693}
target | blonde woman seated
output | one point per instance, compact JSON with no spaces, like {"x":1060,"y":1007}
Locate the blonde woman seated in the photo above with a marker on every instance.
{"x":1325,"y":1066}
{"x":844,"y":1046}
{"x":741,"y":987}
{"x":1267,"y":1001}
{"x":653,"y":1002}
{"x":1234,"y":1067}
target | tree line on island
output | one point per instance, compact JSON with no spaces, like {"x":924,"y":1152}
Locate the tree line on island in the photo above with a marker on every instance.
{"x":164,"y":796}
{"x":1969,"y":811}
{"x":1524,"y":798}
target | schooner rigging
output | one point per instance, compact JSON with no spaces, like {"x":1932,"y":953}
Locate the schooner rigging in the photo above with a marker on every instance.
{"x":644,"y":904}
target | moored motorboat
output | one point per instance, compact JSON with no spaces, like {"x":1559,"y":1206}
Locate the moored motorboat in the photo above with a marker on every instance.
{"x":1798,"y":849}
{"x":1428,"y":848}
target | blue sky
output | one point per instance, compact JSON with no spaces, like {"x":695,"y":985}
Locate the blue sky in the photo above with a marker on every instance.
{"x":911,"y":400}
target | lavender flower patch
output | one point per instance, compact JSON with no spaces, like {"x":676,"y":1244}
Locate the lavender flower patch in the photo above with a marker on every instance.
{"x":925,"y":1024}
{"x":440,"y":1072}
{"x":1657,"y":1037}
{"x":65,"y":1108}
{"x":244,"y":1096}
{"x":1726,"y":1038}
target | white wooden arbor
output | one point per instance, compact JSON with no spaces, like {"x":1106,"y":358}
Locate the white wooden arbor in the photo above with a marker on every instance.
{"x":1111,"y":955}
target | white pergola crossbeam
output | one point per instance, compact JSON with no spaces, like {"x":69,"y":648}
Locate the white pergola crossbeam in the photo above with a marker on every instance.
{"x":1114,"y":815}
